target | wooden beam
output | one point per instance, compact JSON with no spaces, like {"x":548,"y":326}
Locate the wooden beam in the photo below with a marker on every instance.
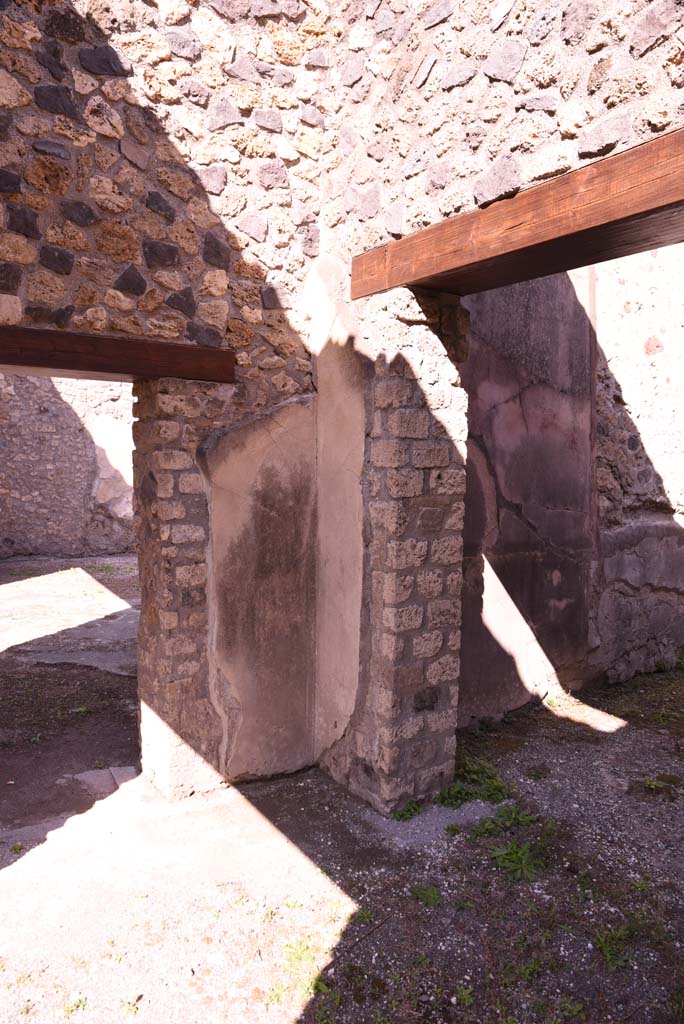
{"x":102,"y":357}
{"x":617,"y":206}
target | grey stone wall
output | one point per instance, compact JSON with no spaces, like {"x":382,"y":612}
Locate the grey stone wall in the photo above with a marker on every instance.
{"x":66,"y":472}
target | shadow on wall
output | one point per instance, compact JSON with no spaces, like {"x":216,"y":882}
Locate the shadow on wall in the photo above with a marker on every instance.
{"x":60,"y":494}
{"x":553,"y":591}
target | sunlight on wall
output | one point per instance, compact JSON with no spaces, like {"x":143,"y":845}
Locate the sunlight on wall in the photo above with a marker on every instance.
{"x":511,"y":631}
{"x":38,"y":607}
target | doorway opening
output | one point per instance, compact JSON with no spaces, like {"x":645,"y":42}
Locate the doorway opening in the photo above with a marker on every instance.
{"x":69,"y":598}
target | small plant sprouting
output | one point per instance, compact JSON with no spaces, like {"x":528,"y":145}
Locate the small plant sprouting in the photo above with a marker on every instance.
{"x":362,"y":916}
{"x":465,"y":996}
{"x":529,"y":970}
{"x":16,"y":848}
{"x":507,"y":818}
{"x":275,"y":995}
{"x":571,"y":1010}
{"x":453,"y":830}
{"x":610,"y":942}
{"x":428,"y":895}
{"x":410,"y":809}
{"x":518,"y":861}
{"x":642,"y":885}
{"x":299,"y":957}
{"x":585,"y":886}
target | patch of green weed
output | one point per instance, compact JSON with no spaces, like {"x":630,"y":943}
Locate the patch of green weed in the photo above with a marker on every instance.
{"x":519,"y":861}
{"x":571,"y":1010}
{"x":465,"y":996}
{"x":408,"y":811}
{"x":475,"y":779}
{"x":610,"y":943}
{"x":78,"y":1004}
{"x":362,"y":916}
{"x":299,"y":957}
{"x":428,"y":895}
{"x":506,"y":819}
{"x":275,"y":995}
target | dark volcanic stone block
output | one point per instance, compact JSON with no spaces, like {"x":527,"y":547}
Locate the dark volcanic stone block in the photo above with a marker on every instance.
{"x":56,"y":99}
{"x":158,"y":204}
{"x":215,"y":252}
{"x":65,"y":25}
{"x":202,"y":335}
{"x":104,"y":60}
{"x":51,"y":148}
{"x":50,"y":56}
{"x":78,"y":212}
{"x":10,"y":278}
{"x":9,"y":181}
{"x":45,"y":315}
{"x":159,"y":254}
{"x":23,"y":220}
{"x":131,"y":281}
{"x":56,"y":259}
{"x":184,"y":301}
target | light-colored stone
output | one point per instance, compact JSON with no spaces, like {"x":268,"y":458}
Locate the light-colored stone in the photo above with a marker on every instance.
{"x":103,"y":119}
{"x":12,"y":94}
{"x":10,"y":309}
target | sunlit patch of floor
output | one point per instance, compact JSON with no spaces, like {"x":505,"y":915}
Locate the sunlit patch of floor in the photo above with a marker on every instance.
{"x":165,"y":909}
{"x":35,"y":607}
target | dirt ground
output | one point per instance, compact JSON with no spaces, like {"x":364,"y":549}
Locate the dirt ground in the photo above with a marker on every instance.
{"x":546,"y":886}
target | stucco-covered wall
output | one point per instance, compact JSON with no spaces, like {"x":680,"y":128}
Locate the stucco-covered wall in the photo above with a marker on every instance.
{"x":529,"y":522}
{"x":574,"y":551}
{"x":66,"y":466}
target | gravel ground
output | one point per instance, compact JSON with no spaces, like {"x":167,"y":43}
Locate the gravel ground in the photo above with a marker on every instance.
{"x":551,"y":889}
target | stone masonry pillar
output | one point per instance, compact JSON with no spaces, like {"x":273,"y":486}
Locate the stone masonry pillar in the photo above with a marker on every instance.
{"x":180,"y":718}
{"x":401,"y":741}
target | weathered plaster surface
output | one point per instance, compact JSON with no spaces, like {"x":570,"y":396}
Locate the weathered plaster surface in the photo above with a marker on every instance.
{"x":261,"y":478}
{"x":340,"y":434}
{"x":528,"y":532}
{"x":573,"y":511}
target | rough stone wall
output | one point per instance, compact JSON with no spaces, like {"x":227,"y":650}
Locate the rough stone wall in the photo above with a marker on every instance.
{"x":66,"y":472}
{"x":182,"y":715}
{"x":638,"y":579}
{"x":458,"y":103}
{"x":183,"y":170}
{"x":400,"y":740}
